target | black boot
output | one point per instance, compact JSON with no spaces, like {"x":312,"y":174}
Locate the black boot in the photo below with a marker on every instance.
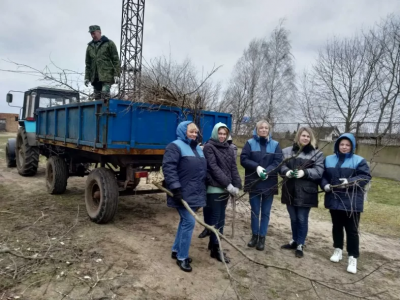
{"x":204,"y":233}
{"x":174,"y":256}
{"x":253,"y":241}
{"x":261,"y":243}
{"x":184,"y":265}
{"x":216,"y":253}
{"x":290,"y":246}
{"x":209,"y":245}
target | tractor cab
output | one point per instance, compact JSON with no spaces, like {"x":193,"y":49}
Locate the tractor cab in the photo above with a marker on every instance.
{"x":44,"y":97}
{"x":23,"y":151}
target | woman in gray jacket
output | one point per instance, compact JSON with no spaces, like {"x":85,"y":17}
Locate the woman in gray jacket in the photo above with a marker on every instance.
{"x":302,"y":174}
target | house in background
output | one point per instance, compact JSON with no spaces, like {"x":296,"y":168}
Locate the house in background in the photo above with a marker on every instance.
{"x":8,"y":123}
{"x":328,"y":133}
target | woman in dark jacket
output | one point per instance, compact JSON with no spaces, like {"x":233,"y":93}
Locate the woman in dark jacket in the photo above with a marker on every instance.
{"x":345,"y":177}
{"x":206,"y":209}
{"x":260,"y":158}
{"x":185,"y":171}
{"x":222,"y":179}
{"x":302,"y":174}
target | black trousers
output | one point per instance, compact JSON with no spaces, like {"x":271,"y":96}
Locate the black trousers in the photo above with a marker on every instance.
{"x":348,"y":221}
{"x":101,"y":89}
{"x":216,"y":204}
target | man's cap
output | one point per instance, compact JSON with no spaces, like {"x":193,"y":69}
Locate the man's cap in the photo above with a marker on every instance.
{"x":94,"y":28}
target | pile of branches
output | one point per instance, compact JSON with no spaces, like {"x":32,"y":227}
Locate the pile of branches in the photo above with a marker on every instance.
{"x":170,"y":83}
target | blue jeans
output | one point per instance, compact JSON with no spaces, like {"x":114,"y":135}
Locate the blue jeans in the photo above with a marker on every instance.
{"x":260,"y":203}
{"x":299,"y":222}
{"x":183,"y":236}
{"x":217,"y":203}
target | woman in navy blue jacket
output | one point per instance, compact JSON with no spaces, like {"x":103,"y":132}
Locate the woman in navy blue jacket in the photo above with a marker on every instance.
{"x":346,"y":174}
{"x":185,"y":171}
{"x":260,"y":158}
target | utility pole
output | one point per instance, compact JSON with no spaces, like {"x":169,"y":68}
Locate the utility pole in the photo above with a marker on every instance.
{"x":131,"y":48}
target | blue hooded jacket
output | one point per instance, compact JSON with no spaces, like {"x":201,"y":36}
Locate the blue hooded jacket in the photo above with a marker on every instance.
{"x":185,"y":167}
{"x":264,"y":152}
{"x":352,"y":167}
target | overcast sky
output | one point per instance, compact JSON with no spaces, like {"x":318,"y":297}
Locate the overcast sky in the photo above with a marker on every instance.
{"x":210,"y":32}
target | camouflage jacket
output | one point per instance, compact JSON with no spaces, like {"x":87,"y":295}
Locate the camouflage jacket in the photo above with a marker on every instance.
{"x":102,"y":61}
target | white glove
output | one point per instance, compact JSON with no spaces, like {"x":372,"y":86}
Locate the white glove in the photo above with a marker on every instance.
{"x":116,"y":79}
{"x":234,"y":191}
{"x":344,"y":182}
{"x":300,"y":173}
{"x":327,"y":188}
{"x":87,"y":82}
{"x":262,"y":173}
{"x":290,"y":174}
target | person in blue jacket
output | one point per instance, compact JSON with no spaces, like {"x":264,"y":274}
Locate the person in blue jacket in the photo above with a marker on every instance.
{"x":345,"y":176}
{"x":260,"y":158}
{"x":185,"y":170}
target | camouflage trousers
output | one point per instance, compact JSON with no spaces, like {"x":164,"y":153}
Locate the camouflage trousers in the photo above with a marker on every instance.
{"x":101,"y":90}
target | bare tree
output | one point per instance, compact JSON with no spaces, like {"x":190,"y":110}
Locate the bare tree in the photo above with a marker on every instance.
{"x":278,"y":76}
{"x":387,"y":34}
{"x":237,"y":100}
{"x":345,"y":74}
{"x":262,"y":82}
{"x":315,"y":113}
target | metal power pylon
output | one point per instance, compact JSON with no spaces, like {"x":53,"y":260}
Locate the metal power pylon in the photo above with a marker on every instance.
{"x":131,"y":47}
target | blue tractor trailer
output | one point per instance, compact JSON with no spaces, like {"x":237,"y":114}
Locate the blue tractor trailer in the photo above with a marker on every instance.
{"x":113,"y":142}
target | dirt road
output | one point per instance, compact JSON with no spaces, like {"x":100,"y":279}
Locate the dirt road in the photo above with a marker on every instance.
{"x":60,"y":254}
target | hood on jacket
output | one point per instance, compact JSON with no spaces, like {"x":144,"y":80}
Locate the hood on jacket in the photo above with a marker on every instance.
{"x":348,"y":136}
{"x":181,"y":131}
{"x":103,"y":39}
{"x":257,"y":138}
{"x":214,"y":134}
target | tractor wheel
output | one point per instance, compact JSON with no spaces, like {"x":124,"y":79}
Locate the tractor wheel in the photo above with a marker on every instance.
{"x":101,"y":195}
{"x":27,"y":157}
{"x":10,"y":153}
{"x":56,"y":175}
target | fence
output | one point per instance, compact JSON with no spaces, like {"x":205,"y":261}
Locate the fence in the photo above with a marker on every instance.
{"x":371,"y":133}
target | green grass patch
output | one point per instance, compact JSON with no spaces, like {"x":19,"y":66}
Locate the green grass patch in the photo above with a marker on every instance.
{"x":384,"y":191}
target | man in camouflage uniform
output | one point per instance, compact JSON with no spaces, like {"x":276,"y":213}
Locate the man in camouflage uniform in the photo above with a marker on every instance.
{"x":102,"y":63}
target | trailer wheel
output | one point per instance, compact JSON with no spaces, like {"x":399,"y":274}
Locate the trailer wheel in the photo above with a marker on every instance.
{"x":27,"y":157}
{"x":10,"y":153}
{"x":56,"y":175}
{"x":101,"y":195}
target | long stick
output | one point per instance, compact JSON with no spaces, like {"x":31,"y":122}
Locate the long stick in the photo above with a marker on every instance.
{"x":233,"y":200}
{"x":219,"y":236}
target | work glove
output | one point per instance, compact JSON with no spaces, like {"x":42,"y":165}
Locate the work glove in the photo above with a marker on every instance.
{"x":234,"y":191}
{"x":87,"y":82}
{"x":290,"y":174}
{"x":327,"y":188}
{"x":116,"y":79}
{"x":177,"y":197}
{"x":343,"y":183}
{"x":299,"y":173}
{"x":262,"y":173}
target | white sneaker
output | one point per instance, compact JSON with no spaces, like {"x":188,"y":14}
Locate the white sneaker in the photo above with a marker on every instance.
{"x":352,"y":267}
{"x":337,"y":255}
